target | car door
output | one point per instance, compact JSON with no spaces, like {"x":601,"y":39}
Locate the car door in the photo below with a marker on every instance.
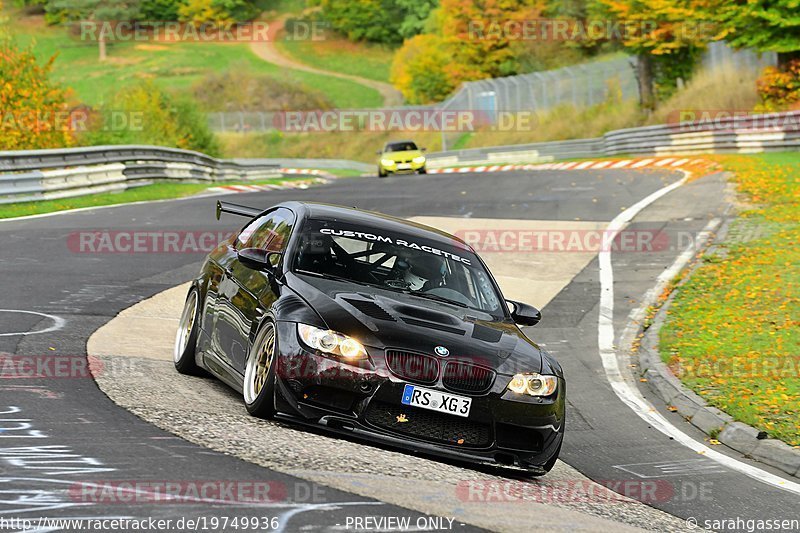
{"x":244,"y":292}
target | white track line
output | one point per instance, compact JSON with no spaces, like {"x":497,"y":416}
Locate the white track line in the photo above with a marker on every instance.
{"x":58,"y":323}
{"x":626,"y":389}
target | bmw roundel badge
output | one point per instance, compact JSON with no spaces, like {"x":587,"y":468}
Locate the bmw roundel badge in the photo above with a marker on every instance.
{"x":441,"y":351}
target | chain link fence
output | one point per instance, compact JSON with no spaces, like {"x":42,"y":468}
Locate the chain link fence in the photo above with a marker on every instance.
{"x":579,"y":85}
{"x":719,"y":55}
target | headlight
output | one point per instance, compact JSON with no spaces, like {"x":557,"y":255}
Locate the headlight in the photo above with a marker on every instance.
{"x":419,"y":159}
{"x":328,"y":341}
{"x":533,"y":384}
{"x":387,"y":162}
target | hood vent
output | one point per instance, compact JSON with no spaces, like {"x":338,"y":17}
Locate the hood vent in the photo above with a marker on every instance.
{"x":371,"y":309}
{"x":433,"y":325}
{"x":483,"y":333}
{"x":429,"y":315}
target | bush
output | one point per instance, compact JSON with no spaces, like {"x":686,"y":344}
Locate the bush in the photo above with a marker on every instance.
{"x":144,"y":114}
{"x":419,"y":70}
{"x":370,"y":20}
{"x":217,"y":11}
{"x":159,"y":10}
{"x":382,"y":21}
{"x":780,"y":89}
{"x":33,"y":110}
{"x":237,"y":89}
{"x":464,"y":45}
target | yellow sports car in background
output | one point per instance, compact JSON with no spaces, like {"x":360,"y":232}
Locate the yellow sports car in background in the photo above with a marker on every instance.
{"x":401,"y":157}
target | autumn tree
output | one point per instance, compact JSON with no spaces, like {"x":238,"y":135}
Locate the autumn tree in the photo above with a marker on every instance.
{"x":217,"y":11}
{"x":764,"y":25}
{"x":473,"y":39}
{"x":481,"y":35}
{"x":33,"y":112}
{"x":418,"y":70}
{"x":383,"y":21}
{"x":666,"y":36}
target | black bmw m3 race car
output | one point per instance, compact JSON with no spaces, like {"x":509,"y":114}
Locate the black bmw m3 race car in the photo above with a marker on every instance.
{"x":376,"y":327}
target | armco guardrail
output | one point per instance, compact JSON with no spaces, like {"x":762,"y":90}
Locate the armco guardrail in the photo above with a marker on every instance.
{"x":51,"y":174}
{"x":733,"y":134}
{"x":48,"y":174}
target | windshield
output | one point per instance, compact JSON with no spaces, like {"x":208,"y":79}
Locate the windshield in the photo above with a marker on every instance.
{"x":396,"y":262}
{"x":400,"y":147}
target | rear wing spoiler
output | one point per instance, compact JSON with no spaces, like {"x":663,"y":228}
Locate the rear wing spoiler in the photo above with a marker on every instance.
{"x":236,"y":209}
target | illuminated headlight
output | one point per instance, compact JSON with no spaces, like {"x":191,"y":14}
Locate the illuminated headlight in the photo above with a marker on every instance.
{"x":419,"y":159}
{"x":387,"y":162}
{"x":328,"y":341}
{"x":533,"y":384}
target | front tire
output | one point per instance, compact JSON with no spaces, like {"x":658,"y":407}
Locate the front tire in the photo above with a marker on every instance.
{"x":186,"y":339}
{"x":423,"y":170}
{"x":381,"y":173}
{"x":548,"y":466}
{"x":259,"y":373}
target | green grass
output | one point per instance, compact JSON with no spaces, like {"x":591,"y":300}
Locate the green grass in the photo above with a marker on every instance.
{"x":344,"y":172}
{"x":156,"y":191}
{"x":733,"y":331}
{"x":371,"y":61}
{"x":173,"y":66}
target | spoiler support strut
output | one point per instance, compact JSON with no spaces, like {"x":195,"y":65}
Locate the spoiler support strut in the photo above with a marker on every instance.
{"x":236,"y":209}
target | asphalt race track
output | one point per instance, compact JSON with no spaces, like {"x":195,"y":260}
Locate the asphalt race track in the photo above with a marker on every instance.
{"x":61,"y":436}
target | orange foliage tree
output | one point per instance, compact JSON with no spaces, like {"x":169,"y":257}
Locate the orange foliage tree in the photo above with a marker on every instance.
{"x":665,"y":35}
{"x":473,"y":40}
{"x":33,"y":111}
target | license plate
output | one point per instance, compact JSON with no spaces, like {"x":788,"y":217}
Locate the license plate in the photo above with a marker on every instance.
{"x":436,"y":400}
{"x":403,"y":166}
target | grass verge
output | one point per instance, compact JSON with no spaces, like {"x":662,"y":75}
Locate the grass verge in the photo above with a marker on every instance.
{"x":733,"y":331}
{"x":174,"y":66}
{"x":156,"y":191}
{"x":352,"y":145}
{"x":371,"y":61}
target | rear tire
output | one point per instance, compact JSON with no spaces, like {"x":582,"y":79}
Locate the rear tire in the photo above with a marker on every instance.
{"x":259,"y":373}
{"x":186,"y":338}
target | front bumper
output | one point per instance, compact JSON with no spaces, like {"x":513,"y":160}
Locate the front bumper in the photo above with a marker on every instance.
{"x":395,"y":168}
{"x":502,"y":427}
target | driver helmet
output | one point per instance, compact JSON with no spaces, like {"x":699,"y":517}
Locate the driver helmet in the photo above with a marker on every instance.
{"x":423,"y":268}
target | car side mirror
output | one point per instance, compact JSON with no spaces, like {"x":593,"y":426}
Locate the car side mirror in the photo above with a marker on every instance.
{"x":524,"y":314}
{"x":379,"y":152}
{"x":423,"y":149}
{"x":259,"y":259}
